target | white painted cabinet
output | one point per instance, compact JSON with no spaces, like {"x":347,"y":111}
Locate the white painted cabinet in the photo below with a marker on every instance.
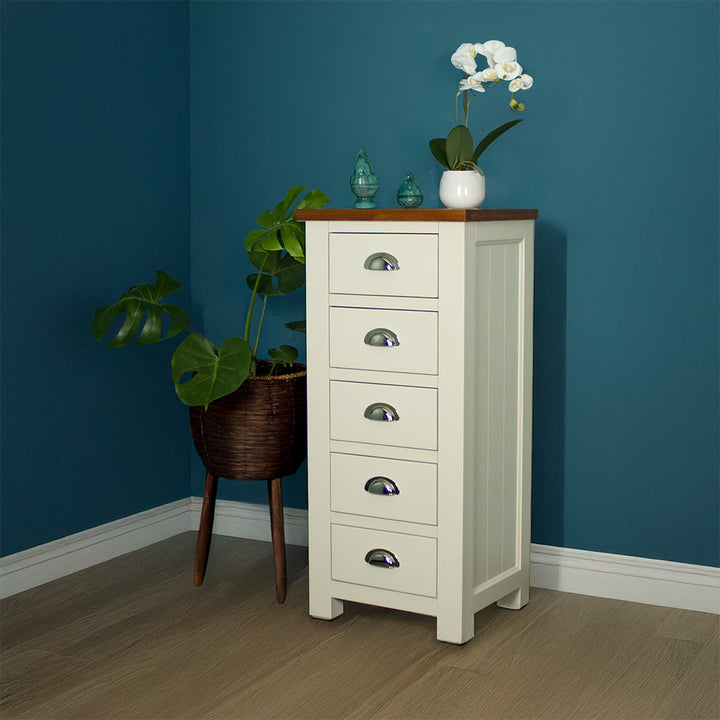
{"x":419,"y":353}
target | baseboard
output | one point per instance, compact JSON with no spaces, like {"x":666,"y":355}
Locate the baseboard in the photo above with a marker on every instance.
{"x":246,"y":520}
{"x":642,"y":580}
{"x":622,"y":577}
{"x":43,"y":563}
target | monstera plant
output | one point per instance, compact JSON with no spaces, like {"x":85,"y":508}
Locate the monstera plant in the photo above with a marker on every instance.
{"x":201,"y":371}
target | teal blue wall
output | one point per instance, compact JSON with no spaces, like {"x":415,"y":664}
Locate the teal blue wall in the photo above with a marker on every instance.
{"x":95,"y":193}
{"x":619,"y":151}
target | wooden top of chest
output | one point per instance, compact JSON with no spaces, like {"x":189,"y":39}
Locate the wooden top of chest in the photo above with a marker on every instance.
{"x":414,"y":214}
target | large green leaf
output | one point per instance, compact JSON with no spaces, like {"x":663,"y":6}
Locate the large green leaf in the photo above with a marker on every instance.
{"x":281,"y":209}
{"x":313,"y":200}
{"x":293,"y":240}
{"x":290,"y":277}
{"x":214,"y":372}
{"x":266,"y":261}
{"x":142,"y":303}
{"x":265,"y":286}
{"x":285,"y":354}
{"x":437,"y":147}
{"x":459,"y":147}
{"x":252,"y":238}
{"x":482,"y":146}
{"x":297,"y":326}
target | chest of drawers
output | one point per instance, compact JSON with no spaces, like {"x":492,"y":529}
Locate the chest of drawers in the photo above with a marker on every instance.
{"x":419,"y":354}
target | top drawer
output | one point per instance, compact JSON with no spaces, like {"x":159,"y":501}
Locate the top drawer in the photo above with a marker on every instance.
{"x":384,"y":264}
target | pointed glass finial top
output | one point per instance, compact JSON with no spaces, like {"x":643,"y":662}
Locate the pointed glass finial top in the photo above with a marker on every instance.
{"x":363,"y":182}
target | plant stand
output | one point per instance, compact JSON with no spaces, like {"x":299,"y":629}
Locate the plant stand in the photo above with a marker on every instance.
{"x":276,"y":525}
{"x":259,"y":432}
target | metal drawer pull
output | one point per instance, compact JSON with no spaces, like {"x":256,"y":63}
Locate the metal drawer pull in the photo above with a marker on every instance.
{"x":382,"y":412}
{"x":382,"y":337}
{"x":381,"y":261}
{"x":382,"y":558}
{"x":379,"y":485}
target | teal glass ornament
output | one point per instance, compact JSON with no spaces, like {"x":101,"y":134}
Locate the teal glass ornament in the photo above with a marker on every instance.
{"x":409,"y":195}
{"x":363,"y":182}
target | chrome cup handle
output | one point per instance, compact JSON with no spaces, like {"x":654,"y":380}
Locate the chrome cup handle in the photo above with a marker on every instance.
{"x":381,"y":337}
{"x":379,"y":485}
{"x":381,"y":261}
{"x":382,"y":558}
{"x":381,"y":412}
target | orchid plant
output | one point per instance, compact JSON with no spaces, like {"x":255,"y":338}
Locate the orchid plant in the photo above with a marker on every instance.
{"x":456,"y":152}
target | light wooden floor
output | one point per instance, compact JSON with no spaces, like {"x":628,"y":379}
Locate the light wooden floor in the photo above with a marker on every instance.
{"x":133,"y":638}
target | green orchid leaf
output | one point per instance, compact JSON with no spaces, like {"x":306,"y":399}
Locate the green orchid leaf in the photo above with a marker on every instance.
{"x":214,"y":373}
{"x":138,"y":303}
{"x":284,"y":354}
{"x":437,"y":147}
{"x":482,"y":146}
{"x":297,"y":326}
{"x":313,"y":200}
{"x":459,"y":146}
{"x":265,"y":286}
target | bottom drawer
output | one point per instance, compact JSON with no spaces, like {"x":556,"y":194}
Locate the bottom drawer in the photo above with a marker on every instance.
{"x":405,"y":563}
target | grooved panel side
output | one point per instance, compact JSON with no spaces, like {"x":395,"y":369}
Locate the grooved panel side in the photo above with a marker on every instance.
{"x":498,"y":324}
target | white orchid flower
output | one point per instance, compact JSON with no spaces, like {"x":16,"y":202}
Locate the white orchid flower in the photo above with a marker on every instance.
{"x":508,"y":70}
{"x":464,"y":58}
{"x":504,"y":55}
{"x":474,"y":82}
{"x":489,"y":49}
{"x":524,"y":82}
{"x":489,"y":74}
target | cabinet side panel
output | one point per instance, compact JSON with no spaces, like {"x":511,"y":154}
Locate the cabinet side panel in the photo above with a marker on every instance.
{"x":497,"y":367}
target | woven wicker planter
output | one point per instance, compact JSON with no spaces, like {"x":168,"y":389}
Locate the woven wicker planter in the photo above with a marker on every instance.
{"x":259,"y":432}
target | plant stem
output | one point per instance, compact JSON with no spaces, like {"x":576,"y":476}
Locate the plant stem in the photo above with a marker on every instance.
{"x":252,"y":302}
{"x":260,"y":324}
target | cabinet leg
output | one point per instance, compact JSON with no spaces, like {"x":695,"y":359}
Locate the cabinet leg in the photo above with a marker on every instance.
{"x":516,"y":600}
{"x":278,"y":537}
{"x":325,"y":608}
{"x":204,"y":537}
{"x":456,"y":629}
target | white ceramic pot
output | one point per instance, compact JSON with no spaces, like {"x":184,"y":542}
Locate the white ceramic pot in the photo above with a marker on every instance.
{"x":462,"y":189}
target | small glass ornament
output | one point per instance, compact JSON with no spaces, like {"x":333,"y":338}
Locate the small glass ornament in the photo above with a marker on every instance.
{"x":363,"y":182}
{"x":409,"y":194}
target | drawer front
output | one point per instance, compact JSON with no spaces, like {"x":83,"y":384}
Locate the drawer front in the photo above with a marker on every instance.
{"x":383,"y":488}
{"x":398,"y":264}
{"x":406,"y":416}
{"x":416,"y":558}
{"x":389,"y":340}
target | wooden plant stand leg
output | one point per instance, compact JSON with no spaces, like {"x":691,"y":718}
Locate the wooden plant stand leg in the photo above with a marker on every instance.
{"x":206,"y":525}
{"x":278,"y":537}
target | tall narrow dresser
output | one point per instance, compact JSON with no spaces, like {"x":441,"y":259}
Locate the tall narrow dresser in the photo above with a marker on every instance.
{"x":419,"y":354}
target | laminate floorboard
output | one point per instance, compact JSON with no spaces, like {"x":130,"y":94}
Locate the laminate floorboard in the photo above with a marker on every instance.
{"x":133,"y":638}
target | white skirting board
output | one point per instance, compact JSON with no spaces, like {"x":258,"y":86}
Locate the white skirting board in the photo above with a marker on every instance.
{"x":654,"y":582}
